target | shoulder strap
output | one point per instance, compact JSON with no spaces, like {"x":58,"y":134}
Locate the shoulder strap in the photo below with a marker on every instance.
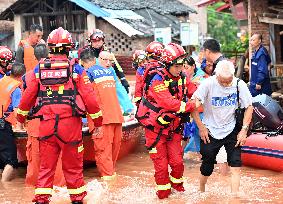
{"x":238,"y":100}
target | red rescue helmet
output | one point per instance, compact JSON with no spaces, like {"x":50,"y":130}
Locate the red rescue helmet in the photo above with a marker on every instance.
{"x":60,"y":41}
{"x":139,"y":56}
{"x":96,"y":35}
{"x":154,"y":49}
{"x":6,"y":55}
{"x":173,"y":54}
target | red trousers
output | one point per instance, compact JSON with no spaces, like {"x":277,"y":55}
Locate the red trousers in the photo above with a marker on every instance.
{"x":107,"y":146}
{"x":32,"y":153}
{"x":163,"y":154}
{"x":69,"y":130}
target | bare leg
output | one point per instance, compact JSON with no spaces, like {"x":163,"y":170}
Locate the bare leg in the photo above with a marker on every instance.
{"x":223,"y":168}
{"x":202,"y":182}
{"x":235,"y":179}
{"x":8,"y":173}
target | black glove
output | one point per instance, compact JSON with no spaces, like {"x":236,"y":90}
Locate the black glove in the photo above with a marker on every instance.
{"x":125,"y":84}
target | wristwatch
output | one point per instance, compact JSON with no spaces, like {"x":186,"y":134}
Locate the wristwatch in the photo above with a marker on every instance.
{"x":245,"y":127}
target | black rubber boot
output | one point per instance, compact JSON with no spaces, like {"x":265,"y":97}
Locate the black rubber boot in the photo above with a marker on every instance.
{"x":77,"y":202}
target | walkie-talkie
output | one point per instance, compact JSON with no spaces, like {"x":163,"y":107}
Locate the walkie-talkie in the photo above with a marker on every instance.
{"x":2,"y":120}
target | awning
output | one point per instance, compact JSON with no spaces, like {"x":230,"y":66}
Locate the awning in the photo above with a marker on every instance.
{"x":91,"y":7}
{"x":206,"y":2}
{"x":122,"y":26}
{"x":221,"y":8}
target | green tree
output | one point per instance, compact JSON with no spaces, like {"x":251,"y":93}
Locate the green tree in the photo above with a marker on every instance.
{"x":223,"y":27}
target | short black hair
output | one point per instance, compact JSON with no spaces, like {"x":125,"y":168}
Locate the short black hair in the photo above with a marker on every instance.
{"x":190,"y":61}
{"x":41,"y":51}
{"x":87,"y":55}
{"x":35,"y":27}
{"x":212,"y":45}
{"x":18,"y":69}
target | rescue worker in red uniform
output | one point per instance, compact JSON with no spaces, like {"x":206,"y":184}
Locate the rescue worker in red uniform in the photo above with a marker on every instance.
{"x":96,"y":40}
{"x":6,"y":57}
{"x":153,"y":52}
{"x":61,"y":92}
{"x":164,"y":108}
{"x":32,"y":127}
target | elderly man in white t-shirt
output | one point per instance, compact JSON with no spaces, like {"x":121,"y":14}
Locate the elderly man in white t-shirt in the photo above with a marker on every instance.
{"x":218,"y":95}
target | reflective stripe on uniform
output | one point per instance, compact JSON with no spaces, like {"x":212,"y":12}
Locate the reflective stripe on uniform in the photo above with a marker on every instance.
{"x":182,"y":107}
{"x":160,"y":87}
{"x":44,"y":191}
{"x":95,"y":115}
{"x":180,"y":81}
{"x":175,"y":180}
{"x":109,"y":178}
{"x":86,"y":80}
{"x":80,"y":148}
{"x":162,"y":121}
{"x":167,"y":82}
{"x":136,"y":99}
{"x":21,"y":112}
{"x":61,"y":89}
{"x":105,"y":78}
{"x":77,"y":190}
{"x":153,"y":151}
{"x":37,"y":75}
{"x":164,"y":187}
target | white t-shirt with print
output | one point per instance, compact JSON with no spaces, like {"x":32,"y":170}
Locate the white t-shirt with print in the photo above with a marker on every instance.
{"x":220,"y":103}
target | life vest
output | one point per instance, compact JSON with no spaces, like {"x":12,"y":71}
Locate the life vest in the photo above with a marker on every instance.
{"x":7,"y":86}
{"x":155,"y":118}
{"x":30,"y":60}
{"x":57,"y":93}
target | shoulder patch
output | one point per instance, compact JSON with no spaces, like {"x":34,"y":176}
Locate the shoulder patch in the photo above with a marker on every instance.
{"x":140,"y":70}
{"x":157,"y":77}
{"x":78,"y":69}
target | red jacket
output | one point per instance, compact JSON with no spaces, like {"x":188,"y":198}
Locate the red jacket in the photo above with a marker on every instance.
{"x":141,"y":74}
{"x":160,"y":96}
{"x":84,"y":88}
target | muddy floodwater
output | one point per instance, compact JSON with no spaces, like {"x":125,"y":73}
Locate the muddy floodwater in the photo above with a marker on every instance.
{"x":135,"y":185}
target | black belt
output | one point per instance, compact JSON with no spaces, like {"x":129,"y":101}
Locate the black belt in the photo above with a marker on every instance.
{"x":150,"y":105}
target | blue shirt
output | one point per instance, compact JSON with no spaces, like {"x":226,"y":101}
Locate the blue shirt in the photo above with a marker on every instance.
{"x":15,"y":99}
{"x":259,"y":72}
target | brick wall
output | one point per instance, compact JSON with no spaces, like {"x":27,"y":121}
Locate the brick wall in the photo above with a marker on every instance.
{"x":256,"y":8}
{"x":121,"y":45}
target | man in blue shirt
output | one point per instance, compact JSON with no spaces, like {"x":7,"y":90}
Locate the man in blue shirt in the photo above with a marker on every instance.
{"x":10,"y":94}
{"x":259,"y":75}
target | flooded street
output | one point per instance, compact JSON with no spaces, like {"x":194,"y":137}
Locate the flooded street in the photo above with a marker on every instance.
{"x":135,"y":185}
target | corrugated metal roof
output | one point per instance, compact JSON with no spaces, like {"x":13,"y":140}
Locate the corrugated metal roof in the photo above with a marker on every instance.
{"x":123,"y":26}
{"x":92,"y":8}
{"x":123,"y":14}
{"x":161,"y":6}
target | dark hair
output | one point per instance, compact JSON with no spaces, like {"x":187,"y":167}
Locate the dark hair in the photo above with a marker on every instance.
{"x":87,"y":55}
{"x":40,"y":51}
{"x":35,"y":27}
{"x":18,"y":69}
{"x":191,"y":62}
{"x":212,"y":45}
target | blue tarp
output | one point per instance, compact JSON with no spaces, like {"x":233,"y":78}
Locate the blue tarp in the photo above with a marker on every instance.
{"x":91,"y":7}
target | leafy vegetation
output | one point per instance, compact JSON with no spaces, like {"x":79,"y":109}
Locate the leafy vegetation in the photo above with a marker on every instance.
{"x":223,"y":27}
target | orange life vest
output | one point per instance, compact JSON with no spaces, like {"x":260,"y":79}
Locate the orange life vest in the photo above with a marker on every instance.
{"x":7,"y":86}
{"x":29,"y":58}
